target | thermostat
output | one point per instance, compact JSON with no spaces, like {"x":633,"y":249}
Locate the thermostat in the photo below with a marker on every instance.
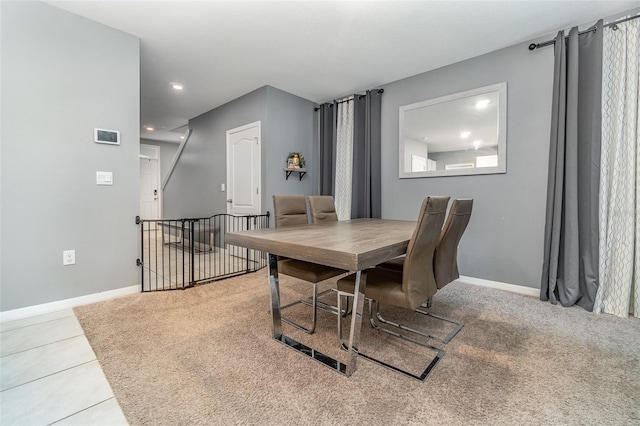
{"x":104,"y":178}
{"x":111,"y":137}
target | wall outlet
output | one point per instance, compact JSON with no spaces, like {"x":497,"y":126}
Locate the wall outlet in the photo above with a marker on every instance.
{"x":69,"y":257}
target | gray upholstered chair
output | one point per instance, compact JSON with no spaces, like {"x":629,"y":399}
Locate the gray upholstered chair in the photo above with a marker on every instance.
{"x":415,"y":283}
{"x":291,"y":210}
{"x":323,"y":208}
{"x":445,"y":260}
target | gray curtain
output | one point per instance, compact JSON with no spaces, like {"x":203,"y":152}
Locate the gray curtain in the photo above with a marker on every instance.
{"x":366,"y":181}
{"x":570,"y":268}
{"x":327,"y":148}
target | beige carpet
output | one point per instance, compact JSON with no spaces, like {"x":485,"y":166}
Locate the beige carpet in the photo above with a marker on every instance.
{"x":205,"y":356}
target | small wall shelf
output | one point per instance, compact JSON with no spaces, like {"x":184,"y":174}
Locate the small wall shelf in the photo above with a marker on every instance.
{"x":301,"y":172}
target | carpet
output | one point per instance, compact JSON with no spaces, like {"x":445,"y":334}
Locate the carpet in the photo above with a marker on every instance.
{"x":205,"y":356}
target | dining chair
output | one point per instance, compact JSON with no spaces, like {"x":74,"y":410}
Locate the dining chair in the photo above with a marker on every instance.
{"x":415,"y":283}
{"x":445,"y":259}
{"x":291,"y":210}
{"x":407,"y":288}
{"x":323,"y":208}
{"x":445,"y":263}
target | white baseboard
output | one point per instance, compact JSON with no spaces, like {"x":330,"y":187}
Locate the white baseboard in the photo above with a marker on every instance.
{"x":46,"y":308}
{"x":60,"y":305}
{"x":527,"y":291}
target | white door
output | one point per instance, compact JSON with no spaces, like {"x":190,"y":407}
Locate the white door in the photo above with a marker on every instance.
{"x":243,"y":170}
{"x":418,"y":163}
{"x":149,"y":189}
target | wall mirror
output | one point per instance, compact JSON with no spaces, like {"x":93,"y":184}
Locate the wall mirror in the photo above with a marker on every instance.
{"x":460,"y":134}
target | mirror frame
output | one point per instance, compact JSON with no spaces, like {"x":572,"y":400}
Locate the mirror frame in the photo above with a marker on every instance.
{"x":501,"y":88}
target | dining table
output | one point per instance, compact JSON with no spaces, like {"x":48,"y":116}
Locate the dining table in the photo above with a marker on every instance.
{"x":353,"y":245}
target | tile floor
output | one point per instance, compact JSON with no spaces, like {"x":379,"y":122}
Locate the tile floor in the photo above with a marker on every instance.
{"x":50,"y":375}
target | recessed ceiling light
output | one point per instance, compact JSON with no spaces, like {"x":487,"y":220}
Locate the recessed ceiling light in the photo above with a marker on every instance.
{"x":465,"y":134}
{"x":182,"y":137}
{"x":177,"y":86}
{"x":482,"y":104}
{"x":477,"y":143}
{"x":149,"y":128}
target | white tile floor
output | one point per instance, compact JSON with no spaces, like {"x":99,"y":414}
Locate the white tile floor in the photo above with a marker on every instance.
{"x":50,"y":375}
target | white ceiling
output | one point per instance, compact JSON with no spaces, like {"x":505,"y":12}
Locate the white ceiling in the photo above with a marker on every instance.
{"x":319,"y":50}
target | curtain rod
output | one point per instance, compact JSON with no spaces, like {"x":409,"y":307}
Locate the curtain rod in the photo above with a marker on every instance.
{"x":380,"y":91}
{"x":534,"y":46}
{"x":335,"y":102}
{"x":349,"y":99}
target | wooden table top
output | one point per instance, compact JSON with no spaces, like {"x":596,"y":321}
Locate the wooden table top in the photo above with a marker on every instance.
{"x":352,"y":245}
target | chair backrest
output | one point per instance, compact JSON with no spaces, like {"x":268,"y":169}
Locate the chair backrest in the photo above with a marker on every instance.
{"x":323,"y":208}
{"x":445,"y":258}
{"x":290,"y":210}
{"x":418,"y":282}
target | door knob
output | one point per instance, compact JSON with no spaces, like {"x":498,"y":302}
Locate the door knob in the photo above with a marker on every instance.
{"x":155,"y":192}
{"x":229,"y":201}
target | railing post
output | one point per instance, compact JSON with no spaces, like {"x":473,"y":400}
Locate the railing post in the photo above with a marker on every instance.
{"x":192,"y":260}
{"x":182,"y":233}
{"x":246,"y":249}
{"x":141,"y":252}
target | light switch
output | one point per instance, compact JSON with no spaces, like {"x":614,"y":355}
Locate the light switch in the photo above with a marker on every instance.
{"x":222,"y":188}
{"x":104,"y":178}
{"x":69,"y":257}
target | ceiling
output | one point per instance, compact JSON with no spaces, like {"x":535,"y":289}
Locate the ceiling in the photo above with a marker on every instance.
{"x":319,"y":50}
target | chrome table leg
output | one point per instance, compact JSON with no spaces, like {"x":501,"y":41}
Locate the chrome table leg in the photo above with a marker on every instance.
{"x":356,"y":321}
{"x":276,"y":321}
{"x":274,"y":292}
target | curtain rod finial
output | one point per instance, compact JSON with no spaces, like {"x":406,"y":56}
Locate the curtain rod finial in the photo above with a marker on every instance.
{"x":533,"y":46}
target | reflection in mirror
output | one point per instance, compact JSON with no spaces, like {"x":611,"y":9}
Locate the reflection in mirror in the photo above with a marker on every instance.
{"x":459,"y":134}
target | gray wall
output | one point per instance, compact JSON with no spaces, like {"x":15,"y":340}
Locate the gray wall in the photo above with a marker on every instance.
{"x":287,"y":124}
{"x":63,"y":75}
{"x":290,"y":127}
{"x":194,"y":188}
{"x":505,"y":235}
{"x":168,"y":151}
